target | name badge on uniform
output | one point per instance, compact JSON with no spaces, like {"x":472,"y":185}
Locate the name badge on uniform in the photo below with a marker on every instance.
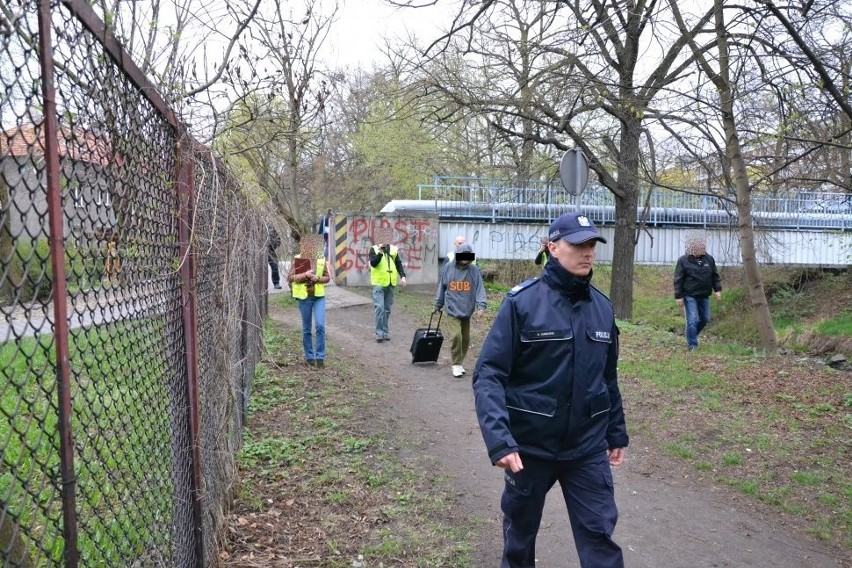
{"x":543,"y":335}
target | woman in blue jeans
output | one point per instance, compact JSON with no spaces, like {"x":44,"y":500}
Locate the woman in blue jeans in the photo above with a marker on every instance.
{"x":307,"y":284}
{"x":695,"y":278}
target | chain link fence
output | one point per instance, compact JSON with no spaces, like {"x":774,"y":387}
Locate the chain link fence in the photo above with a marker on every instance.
{"x":128,"y":345}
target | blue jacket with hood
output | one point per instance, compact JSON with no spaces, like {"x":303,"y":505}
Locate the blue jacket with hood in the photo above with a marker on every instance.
{"x":545,"y":383}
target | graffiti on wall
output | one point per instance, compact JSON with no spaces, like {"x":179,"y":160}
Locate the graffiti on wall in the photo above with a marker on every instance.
{"x":514,"y":242}
{"x":415,"y":237}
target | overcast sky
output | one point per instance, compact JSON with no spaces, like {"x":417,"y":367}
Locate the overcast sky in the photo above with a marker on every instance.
{"x":356,"y":37}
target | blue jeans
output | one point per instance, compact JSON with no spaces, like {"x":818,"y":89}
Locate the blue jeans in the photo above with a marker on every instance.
{"x":697,"y":317}
{"x":312,"y":309}
{"x":382,"y":303}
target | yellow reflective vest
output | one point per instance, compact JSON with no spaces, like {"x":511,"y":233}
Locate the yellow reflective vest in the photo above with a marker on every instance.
{"x":385,"y":274}
{"x":300,"y":289}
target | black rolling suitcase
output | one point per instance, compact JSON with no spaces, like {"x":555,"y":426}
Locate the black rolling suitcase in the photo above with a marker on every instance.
{"x":427,"y":342}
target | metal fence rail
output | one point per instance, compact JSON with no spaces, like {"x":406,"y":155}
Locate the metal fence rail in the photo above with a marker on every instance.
{"x":132,"y":288}
{"x":498,"y":200}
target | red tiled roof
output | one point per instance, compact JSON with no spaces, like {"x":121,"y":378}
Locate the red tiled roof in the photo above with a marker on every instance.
{"x":77,"y":144}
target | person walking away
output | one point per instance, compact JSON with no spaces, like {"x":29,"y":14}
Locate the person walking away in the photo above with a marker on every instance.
{"x":308,"y":276}
{"x":548,"y":403}
{"x":324,"y":229}
{"x":695,"y":279}
{"x":273,"y":241}
{"x":543,"y":254}
{"x":461,"y":290}
{"x":386,"y":271}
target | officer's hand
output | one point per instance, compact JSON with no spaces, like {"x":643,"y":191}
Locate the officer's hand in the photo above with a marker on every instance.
{"x":679,"y":302}
{"x":403,"y":282}
{"x":718,"y":295}
{"x":480,"y":313}
{"x":616,"y":456}
{"x":512,"y":462}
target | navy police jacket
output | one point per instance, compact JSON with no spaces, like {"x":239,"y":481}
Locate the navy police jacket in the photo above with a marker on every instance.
{"x":545,"y":383}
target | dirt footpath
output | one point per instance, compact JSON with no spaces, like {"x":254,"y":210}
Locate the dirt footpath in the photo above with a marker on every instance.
{"x":666,"y":519}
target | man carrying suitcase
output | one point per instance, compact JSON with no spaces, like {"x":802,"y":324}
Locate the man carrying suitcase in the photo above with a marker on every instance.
{"x":461,"y":291}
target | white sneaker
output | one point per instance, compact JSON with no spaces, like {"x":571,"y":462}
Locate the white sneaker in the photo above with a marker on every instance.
{"x":458,"y":370}
{"x":462,"y":370}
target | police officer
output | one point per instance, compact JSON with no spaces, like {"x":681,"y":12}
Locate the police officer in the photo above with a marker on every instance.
{"x":548,"y":401}
{"x":386,"y":271}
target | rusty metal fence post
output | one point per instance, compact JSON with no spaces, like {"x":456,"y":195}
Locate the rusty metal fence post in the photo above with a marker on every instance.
{"x":57,"y":255}
{"x":186,"y":258}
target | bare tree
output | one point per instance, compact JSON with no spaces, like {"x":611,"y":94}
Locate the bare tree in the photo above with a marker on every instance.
{"x":580,"y":81}
{"x":190,"y":50}
{"x":815,"y":36}
{"x":277,"y":130}
{"x":724,"y":79}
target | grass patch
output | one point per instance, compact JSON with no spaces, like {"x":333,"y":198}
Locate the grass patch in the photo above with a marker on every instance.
{"x":668,"y":371}
{"x":336,"y":471}
{"x":679,"y":450}
{"x":838,"y":326}
{"x":123,"y":449}
{"x":810,"y":478}
{"x":731,"y":458}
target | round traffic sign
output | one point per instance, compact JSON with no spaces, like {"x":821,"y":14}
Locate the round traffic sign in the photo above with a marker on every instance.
{"x":574,"y":171}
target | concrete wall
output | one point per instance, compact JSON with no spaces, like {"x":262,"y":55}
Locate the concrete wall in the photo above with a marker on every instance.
{"x":659,"y":245}
{"x":423,"y":242}
{"x":87,"y":194}
{"x":415,"y":236}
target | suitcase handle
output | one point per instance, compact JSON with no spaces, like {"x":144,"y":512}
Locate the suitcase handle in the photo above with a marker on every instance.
{"x":437,"y":325}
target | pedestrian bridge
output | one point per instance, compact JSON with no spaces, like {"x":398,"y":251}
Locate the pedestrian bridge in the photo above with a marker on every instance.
{"x":495,"y":201}
{"x":424,"y":239}
{"x":504,"y":221}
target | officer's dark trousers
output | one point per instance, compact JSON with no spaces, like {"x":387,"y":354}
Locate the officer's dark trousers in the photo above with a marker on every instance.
{"x":589,"y":495}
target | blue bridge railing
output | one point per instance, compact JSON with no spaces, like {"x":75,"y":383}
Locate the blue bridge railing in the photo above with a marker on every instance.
{"x":494,"y":200}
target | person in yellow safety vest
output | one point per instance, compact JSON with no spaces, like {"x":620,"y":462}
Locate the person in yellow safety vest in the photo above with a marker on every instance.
{"x":385,"y":272}
{"x":307,"y":285}
{"x":543,"y":253}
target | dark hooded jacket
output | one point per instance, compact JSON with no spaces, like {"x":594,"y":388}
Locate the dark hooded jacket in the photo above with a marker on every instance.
{"x":545,"y":383}
{"x":460,"y":288}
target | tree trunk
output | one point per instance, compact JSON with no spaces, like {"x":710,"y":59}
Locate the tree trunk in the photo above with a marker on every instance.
{"x":621,"y":285}
{"x":754,"y":281}
{"x":626,"y":202}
